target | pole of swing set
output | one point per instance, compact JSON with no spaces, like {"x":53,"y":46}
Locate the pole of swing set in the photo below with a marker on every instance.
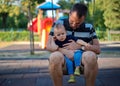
{"x":31,"y":31}
{"x":52,"y":11}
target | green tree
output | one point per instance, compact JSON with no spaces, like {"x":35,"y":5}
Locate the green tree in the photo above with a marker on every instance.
{"x":10,"y":12}
{"x":25,"y":4}
{"x":111,"y":13}
{"x":64,"y":4}
{"x":96,"y":14}
{"x":7,"y":9}
{"x":67,"y":4}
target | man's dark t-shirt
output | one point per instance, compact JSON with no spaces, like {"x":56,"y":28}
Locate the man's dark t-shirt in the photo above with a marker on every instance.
{"x":84,"y":32}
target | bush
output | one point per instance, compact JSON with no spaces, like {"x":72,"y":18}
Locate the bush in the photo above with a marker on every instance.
{"x":14,"y":36}
{"x":25,"y":36}
{"x":101,"y":35}
{"x":106,"y":36}
{"x":115,"y":37}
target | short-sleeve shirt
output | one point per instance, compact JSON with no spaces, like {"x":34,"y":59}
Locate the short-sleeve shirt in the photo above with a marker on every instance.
{"x":85,"y":31}
{"x":68,"y":37}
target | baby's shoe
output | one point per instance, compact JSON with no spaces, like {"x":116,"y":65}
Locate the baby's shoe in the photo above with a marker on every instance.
{"x":72,"y":79}
{"x":77,"y":72}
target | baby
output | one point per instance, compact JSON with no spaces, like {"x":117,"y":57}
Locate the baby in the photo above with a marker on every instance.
{"x":62,"y":38}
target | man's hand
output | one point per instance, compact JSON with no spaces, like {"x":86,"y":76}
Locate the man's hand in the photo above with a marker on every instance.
{"x":68,"y":53}
{"x":51,"y":46}
{"x":72,"y":45}
{"x":95,"y":47}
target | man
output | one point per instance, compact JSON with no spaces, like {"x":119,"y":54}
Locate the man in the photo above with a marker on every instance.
{"x":75,"y":26}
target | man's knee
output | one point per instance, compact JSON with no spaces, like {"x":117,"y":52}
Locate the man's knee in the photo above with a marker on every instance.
{"x":89,"y":58}
{"x":56,"y":60}
{"x":56,"y":57}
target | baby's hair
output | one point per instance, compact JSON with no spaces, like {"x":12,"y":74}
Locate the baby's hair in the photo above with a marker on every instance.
{"x":58,"y":26}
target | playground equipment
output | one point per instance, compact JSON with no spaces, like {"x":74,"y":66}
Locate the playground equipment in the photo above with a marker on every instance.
{"x":43,"y":25}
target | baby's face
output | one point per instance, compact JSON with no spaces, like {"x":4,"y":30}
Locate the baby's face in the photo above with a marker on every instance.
{"x":60,"y":34}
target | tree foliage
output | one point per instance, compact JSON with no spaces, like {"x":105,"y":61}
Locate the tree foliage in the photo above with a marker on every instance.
{"x":10,"y":14}
{"x":66,"y":4}
{"x":111,"y":13}
{"x":25,"y":4}
{"x":103,"y":13}
{"x":7,"y":9}
{"x":96,"y":14}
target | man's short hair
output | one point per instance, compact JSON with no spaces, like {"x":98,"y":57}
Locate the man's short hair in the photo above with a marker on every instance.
{"x":80,"y":8}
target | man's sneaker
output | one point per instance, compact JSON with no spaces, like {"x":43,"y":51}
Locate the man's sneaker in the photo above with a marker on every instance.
{"x":72,"y":79}
{"x":77,"y":72}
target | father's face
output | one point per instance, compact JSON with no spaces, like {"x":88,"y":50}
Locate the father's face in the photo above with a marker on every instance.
{"x":74,"y":20}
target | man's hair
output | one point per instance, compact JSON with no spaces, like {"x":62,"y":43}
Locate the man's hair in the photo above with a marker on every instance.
{"x":80,"y":8}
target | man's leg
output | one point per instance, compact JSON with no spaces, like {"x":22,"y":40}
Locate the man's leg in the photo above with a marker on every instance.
{"x":89,"y":61}
{"x":56,"y":60}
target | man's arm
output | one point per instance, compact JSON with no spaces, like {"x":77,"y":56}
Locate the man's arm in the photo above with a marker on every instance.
{"x":81,"y":42}
{"x":95,"y":47}
{"x":72,"y":45}
{"x":68,"y":53}
{"x":51,"y":46}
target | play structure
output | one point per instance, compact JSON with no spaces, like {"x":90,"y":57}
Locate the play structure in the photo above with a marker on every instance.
{"x":43,"y":25}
